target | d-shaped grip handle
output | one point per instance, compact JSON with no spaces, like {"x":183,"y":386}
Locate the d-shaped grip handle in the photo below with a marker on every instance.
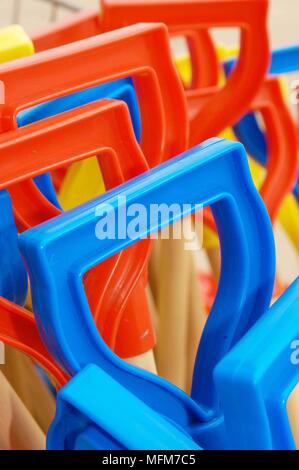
{"x":204,"y":62}
{"x":17,"y":325}
{"x":224,"y":108}
{"x":18,"y":329}
{"x":282,"y":147}
{"x":284,"y":60}
{"x":140,"y":51}
{"x":101,"y":128}
{"x":255,"y":382}
{"x":59,"y":252}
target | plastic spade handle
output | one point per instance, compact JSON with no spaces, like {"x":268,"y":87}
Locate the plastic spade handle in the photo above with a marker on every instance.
{"x":282,"y":158}
{"x":255,"y":382}
{"x":121,"y":159}
{"x":245,"y":286}
{"x":17,"y":326}
{"x":140,"y":51}
{"x":224,"y":108}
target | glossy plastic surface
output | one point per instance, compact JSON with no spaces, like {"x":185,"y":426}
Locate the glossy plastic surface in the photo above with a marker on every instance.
{"x":17,"y":326}
{"x":282,"y":148}
{"x":85,"y":24}
{"x":119,"y":89}
{"x":248,"y":131}
{"x":256,"y":378}
{"x":13,"y":276}
{"x":210,"y":110}
{"x":203,"y":60}
{"x":18,"y":329}
{"x":188,"y":18}
{"x":100,"y":427}
{"x":245,"y":287}
{"x":141,"y":52}
{"x":14,"y":43}
{"x":120,"y":159}
{"x":161,"y":100}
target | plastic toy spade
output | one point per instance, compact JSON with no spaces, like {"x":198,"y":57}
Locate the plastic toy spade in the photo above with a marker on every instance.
{"x":280,"y":129}
{"x":17,"y":326}
{"x":209,"y":112}
{"x":119,"y":89}
{"x":158,"y":87}
{"x":256,"y":378}
{"x":283,"y":61}
{"x":244,"y":291}
{"x":16,"y":44}
{"x":121,"y":159}
{"x":125,"y":422}
{"x":160,"y":97}
{"x":282,"y":138}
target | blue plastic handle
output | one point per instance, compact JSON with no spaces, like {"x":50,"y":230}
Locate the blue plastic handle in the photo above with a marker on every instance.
{"x":248,"y":132}
{"x":13,"y":275}
{"x":283,"y":60}
{"x":60,"y":251}
{"x":256,"y":378}
{"x":123,"y":422}
{"x":119,"y":89}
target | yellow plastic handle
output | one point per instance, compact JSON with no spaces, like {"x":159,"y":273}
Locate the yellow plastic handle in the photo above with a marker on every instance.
{"x":14,"y":43}
{"x":83,"y":181}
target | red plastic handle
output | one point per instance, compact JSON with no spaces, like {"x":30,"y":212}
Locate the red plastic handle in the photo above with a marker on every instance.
{"x":104,"y":129}
{"x":282,"y":145}
{"x":192,"y":17}
{"x":19,"y":330}
{"x":204,"y":59}
{"x":281,"y":135}
{"x":222,"y":109}
{"x":140,"y":51}
{"x":79,"y":26}
{"x":63,"y":142}
{"x":86,"y":24}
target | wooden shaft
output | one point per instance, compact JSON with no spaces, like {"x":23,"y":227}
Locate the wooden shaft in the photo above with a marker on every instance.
{"x":173,"y":310}
{"x":197,"y":317}
{"x":24,"y":378}
{"x":18,"y":430}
